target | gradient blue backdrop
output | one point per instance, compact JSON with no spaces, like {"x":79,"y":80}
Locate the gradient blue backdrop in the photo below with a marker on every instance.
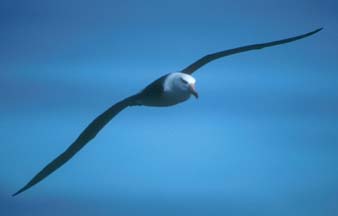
{"x":261,"y":140}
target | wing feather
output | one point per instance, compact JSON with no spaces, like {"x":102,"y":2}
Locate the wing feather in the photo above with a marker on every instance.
{"x":208,"y":58}
{"x":88,"y":134}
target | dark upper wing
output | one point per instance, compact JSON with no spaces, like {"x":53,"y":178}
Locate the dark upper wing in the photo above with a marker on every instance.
{"x":208,"y":58}
{"x":154,"y":89}
{"x":89,"y":133}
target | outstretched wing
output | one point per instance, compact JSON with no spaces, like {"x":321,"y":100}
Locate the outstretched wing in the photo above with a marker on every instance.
{"x":88,"y":134}
{"x":208,"y":58}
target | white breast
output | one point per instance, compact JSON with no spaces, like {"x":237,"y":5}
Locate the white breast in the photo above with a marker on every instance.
{"x":173,"y":92}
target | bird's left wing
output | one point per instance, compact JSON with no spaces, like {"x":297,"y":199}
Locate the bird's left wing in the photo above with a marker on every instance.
{"x":208,"y":58}
{"x":89,"y":133}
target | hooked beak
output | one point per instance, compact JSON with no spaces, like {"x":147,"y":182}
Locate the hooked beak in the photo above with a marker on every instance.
{"x":193,"y":90}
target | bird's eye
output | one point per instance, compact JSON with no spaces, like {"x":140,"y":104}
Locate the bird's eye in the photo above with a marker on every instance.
{"x":184,"y":81}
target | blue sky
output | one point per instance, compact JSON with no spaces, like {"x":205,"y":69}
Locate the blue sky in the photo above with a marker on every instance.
{"x":261,"y":139}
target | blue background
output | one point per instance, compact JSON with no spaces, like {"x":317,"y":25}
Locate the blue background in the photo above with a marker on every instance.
{"x":261,"y":140}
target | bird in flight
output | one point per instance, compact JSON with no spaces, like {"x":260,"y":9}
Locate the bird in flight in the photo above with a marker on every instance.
{"x":168,"y":90}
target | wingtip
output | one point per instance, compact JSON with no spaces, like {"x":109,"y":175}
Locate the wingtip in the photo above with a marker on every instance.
{"x":312,"y":32}
{"x":16,"y":193}
{"x":19,"y":191}
{"x":319,"y":29}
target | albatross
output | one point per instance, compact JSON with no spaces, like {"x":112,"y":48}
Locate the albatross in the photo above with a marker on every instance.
{"x":168,"y":90}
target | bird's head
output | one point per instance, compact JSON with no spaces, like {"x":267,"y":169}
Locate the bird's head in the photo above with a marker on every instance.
{"x":186,"y":83}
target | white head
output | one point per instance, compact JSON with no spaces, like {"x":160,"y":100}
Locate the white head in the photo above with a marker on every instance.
{"x":181,"y":83}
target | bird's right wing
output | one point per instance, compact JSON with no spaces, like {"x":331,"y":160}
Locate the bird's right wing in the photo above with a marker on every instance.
{"x":89,"y":133}
{"x":208,"y":58}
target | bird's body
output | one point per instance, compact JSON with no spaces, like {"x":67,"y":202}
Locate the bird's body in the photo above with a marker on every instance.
{"x":168,"y":90}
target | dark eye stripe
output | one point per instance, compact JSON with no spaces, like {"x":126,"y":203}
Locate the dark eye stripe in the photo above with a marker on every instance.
{"x":183,"y":80}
